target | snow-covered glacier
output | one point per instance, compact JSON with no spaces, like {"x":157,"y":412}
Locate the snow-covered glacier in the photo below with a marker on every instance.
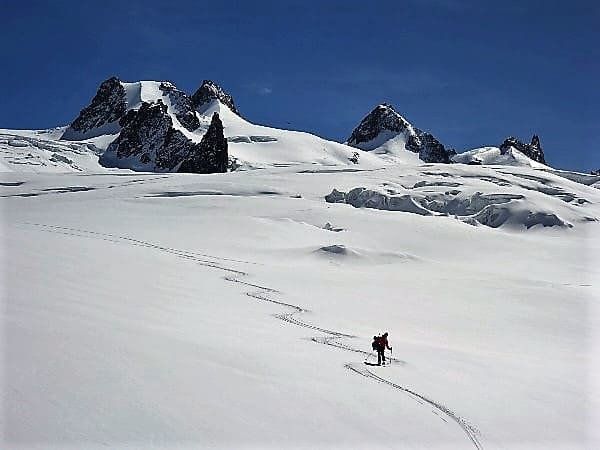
{"x":153,"y":309}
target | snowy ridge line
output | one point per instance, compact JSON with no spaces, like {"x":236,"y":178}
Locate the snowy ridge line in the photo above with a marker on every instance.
{"x":261,"y":293}
{"x":334,"y":340}
{"x":469,"y":429}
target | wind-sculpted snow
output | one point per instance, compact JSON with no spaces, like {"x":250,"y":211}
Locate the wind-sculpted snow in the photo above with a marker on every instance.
{"x":474,"y":209}
{"x":516,"y":199}
{"x":368,"y":198}
{"x":592,"y":179}
{"x":37,"y":152}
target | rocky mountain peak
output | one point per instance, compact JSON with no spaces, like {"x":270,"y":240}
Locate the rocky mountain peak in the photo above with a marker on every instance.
{"x":209,"y":91}
{"x":533,"y":150}
{"x":107,"y":106}
{"x":383,"y":117}
{"x":385,"y":121}
{"x":148,"y":136}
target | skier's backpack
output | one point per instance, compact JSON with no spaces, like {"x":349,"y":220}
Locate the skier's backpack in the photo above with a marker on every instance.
{"x":375,"y":343}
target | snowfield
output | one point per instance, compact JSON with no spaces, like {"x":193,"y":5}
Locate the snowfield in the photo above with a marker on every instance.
{"x":144,"y":310}
{"x":42,"y":151}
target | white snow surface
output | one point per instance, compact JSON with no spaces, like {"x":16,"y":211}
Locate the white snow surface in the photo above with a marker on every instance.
{"x":506,"y":196}
{"x":42,"y":151}
{"x":157,"y":311}
{"x":257,"y":146}
{"x":391,"y":145}
{"x":494,"y":156}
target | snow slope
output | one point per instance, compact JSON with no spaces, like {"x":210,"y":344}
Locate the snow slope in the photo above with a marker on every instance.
{"x":392,"y":147}
{"x":157,"y":311}
{"x":42,"y":151}
{"x":257,"y":146}
{"x":494,"y":156}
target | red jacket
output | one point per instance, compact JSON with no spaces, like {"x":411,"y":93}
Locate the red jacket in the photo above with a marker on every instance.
{"x":383,"y":343}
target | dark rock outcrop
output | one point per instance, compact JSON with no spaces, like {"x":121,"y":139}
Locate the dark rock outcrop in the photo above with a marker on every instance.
{"x":429,"y":148}
{"x":384,"y":119}
{"x":210,"y":155}
{"x":181,"y":105}
{"x":595,"y":172}
{"x":209,"y":91}
{"x":106,"y":107}
{"x":148,"y":135}
{"x":533,"y":150}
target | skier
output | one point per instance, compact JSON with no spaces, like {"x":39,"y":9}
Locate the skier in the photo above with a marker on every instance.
{"x":380,"y":344}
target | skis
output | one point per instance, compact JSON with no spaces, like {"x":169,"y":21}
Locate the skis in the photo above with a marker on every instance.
{"x":376,"y":365}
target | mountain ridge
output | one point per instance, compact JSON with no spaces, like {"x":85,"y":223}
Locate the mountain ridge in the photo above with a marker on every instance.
{"x":384,"y":124}
{"x":383,"y":136}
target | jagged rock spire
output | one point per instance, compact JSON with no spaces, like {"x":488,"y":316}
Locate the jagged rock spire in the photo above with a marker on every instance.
{"x":533,"y":150}
{"x":210,"y":155}
{"x":209,"y":91}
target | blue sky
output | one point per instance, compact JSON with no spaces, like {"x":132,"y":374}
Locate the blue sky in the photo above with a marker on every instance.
{"x":471,"y":72}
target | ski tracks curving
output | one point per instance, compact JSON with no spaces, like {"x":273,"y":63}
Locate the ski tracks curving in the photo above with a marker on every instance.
{"x":265,"y":294}
{"x":469,"y":429}
{"x":333,"y":338}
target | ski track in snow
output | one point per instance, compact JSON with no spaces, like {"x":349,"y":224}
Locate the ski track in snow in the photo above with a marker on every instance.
{"x":261,"y":293}
{"x":333,"y":339}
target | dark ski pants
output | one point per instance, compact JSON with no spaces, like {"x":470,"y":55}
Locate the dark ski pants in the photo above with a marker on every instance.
{"x":380,"y":355}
